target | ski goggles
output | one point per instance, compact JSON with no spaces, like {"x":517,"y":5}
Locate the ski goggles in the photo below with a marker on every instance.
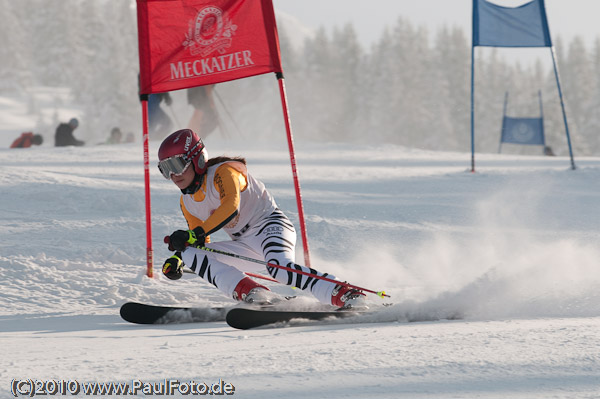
{"x":175,"y":165}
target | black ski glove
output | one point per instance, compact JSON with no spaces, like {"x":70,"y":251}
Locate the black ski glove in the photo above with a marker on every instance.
{"x":173,"y":267}
{"x":182,"y":238}
{"x":178,"y":240}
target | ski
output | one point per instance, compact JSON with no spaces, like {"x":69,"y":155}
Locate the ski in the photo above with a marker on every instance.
{"x":246,"y":318}
{"x":140,"y":313}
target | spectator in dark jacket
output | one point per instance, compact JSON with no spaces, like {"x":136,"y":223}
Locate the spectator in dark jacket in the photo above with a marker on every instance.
{"x":64,"y":134}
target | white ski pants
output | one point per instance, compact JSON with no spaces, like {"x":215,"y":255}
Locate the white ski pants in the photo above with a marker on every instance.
{"x":272,"y":240}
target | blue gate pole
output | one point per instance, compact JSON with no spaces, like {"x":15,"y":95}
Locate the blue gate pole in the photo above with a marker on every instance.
{"x":472,"y":109}
{"x":562,"y":104}
{"x":503,"y":119}
{"x":542,"y":117}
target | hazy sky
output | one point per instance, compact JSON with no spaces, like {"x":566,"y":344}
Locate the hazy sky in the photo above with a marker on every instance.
{"x":565,"y":17}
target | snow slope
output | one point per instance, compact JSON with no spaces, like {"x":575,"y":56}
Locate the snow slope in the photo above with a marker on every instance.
{"x":513,"y":249}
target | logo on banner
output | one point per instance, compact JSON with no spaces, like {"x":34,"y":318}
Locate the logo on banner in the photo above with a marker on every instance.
{"x":522,"y":133}
{"x":210,"y":31}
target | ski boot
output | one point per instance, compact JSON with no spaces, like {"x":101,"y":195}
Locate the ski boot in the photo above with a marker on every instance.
{"x":345,"y":297}
{"x":249,"y":291}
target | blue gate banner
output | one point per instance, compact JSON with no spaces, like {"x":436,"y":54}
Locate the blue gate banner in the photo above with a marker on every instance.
{"x":523,"y":26}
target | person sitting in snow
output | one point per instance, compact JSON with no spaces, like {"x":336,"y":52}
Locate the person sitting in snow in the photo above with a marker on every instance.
{"x":220,"y":194}
{"x":548,"y":151}
{"x":27,"y":139}
{"x":115,"y":136}
{"x":64,"y":134}
{"x":129,"y":138}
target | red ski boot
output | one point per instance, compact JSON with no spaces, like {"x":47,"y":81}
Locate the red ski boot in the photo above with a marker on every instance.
{"x":250,"y":291}
{"x":347,"y":297}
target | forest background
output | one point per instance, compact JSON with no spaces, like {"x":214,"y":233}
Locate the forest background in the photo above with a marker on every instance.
{"x":411,"y":88}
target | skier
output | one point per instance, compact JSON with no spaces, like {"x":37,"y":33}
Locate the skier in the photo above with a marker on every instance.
{"x":205,"y":118}
{"x":64,"y":134}
{"x":27,"y":139}
{"x":159,"y":121}
{"x":219,"y":193}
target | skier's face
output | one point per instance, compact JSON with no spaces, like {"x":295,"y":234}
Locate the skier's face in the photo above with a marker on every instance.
{"x":185,"y":179}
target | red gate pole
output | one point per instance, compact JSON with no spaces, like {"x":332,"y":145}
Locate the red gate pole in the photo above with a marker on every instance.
{"x":290,"y":139}
{"x":149,"y":250}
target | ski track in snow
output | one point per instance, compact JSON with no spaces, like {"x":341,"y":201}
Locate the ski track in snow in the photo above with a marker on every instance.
{"x":511,"y":251}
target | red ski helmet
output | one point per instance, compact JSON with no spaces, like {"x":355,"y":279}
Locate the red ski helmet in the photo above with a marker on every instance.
{"x":179,"y":150}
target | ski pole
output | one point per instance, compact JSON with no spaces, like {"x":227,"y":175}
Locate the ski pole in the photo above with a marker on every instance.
{"x":250,"y":274}
{"x":289,"y":269}
{"x":380,"y":294}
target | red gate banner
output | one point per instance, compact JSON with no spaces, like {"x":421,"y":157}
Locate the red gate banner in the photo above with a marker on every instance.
{"x":188,"y":43}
